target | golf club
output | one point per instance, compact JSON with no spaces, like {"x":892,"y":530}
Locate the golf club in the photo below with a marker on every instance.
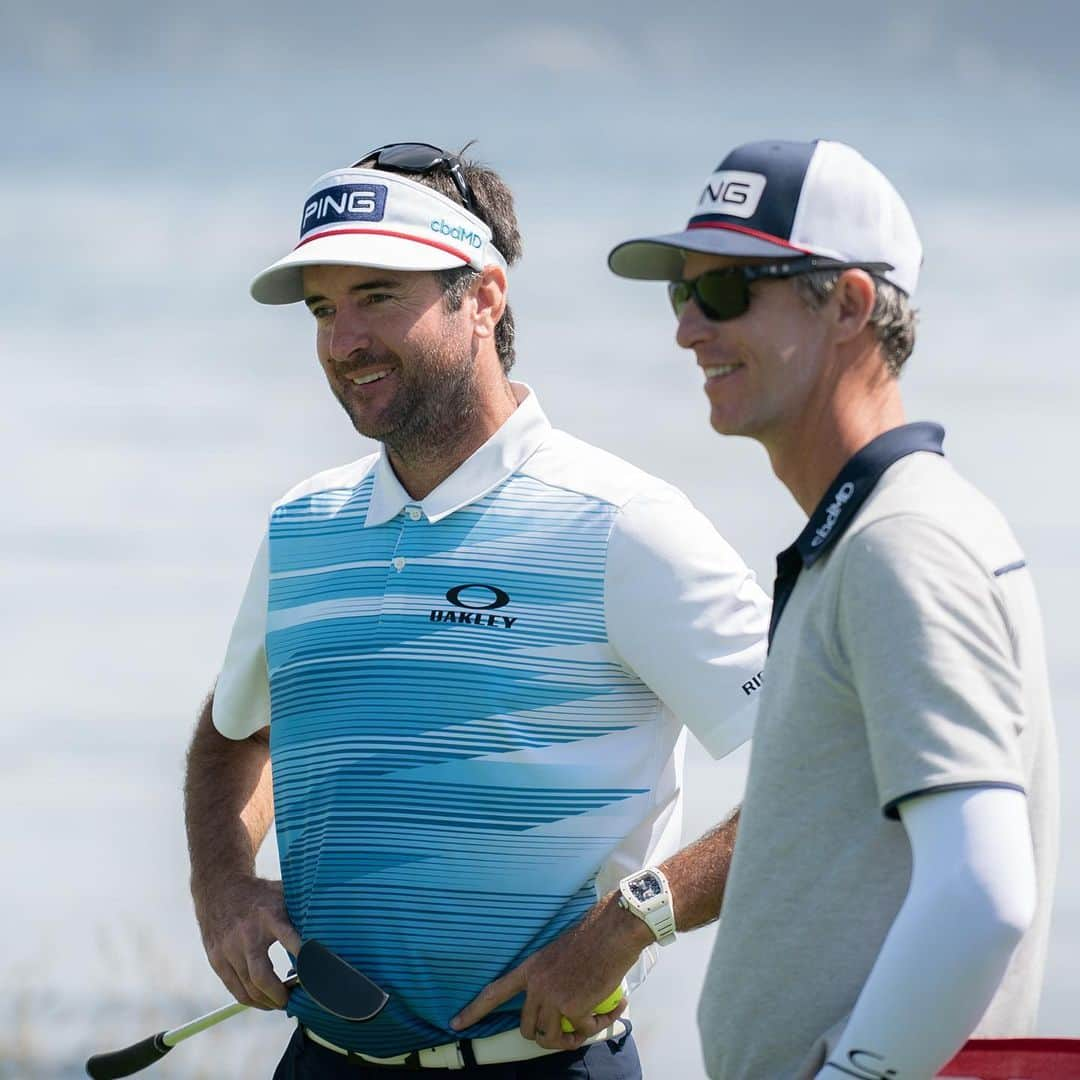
{"x":332,"y":983}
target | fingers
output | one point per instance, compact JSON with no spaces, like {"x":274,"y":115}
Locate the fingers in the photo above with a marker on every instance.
{"x":243,"y":965}
{"x":228,"y":975}
{"x":238,"y":981}
{"x":529,"y":1023}
{"x":583,"y":1027}
{"x":286,"y":933}
{"x":262,"y":983}
{"x":587,"y":1026}
{"x":237,"y":935}
{"x":547,"y":1028}
{"x":275,"y":917}
{"x":493,"y":995}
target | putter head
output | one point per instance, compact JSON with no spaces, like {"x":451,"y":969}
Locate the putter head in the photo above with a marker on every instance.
{"x":336,"y":985}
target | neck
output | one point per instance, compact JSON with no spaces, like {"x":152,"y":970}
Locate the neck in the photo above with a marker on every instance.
{"x":422,"y":468}
{"x":806,"y":456}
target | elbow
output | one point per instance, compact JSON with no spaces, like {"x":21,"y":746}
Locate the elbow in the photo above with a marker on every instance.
{"x":999,"y":911}
{"x":1014,"y":915}
{"x":1004,"y":928}
{"x":1011,"y":895}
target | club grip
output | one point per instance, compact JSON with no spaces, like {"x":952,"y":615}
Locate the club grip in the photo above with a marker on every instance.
{"x":131,"y":1059}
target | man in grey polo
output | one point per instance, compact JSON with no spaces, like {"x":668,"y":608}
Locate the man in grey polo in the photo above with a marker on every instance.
{"x":891,"y":885}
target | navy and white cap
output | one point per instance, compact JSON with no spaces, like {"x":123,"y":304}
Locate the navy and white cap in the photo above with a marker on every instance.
{"x":779,"y":199}
{"x":370,"y":217}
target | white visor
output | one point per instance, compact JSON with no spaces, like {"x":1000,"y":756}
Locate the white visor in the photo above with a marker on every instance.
{"x":368,"y":217}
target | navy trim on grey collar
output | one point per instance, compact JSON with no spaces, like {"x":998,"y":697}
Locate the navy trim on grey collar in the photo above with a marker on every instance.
{"x":857,"y":479}
{"x":842,"y":499}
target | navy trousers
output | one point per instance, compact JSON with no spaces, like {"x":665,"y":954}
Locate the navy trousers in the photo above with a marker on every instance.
{"x":616,"y":1059}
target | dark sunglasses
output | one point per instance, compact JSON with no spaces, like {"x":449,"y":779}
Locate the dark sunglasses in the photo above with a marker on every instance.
{"x":421,"y":158}
{"x":725,"y":294}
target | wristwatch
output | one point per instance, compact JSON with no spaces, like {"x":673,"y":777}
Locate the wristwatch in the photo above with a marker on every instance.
{"x":647,"y":895}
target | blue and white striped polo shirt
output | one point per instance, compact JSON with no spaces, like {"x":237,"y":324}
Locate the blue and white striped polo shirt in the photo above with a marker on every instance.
{"x":476,"y":706}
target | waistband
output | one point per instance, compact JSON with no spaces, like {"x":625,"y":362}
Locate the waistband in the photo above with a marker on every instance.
{"x":491,"y":1050}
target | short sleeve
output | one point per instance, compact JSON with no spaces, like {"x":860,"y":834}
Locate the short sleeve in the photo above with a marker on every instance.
{"x":926,"y":633}
{"x":242,"y":694}
{"x":686,"y":615}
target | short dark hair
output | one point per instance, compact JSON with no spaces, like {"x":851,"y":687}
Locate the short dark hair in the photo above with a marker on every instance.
{"x":892,"y":319}
{"x":495,"y":207}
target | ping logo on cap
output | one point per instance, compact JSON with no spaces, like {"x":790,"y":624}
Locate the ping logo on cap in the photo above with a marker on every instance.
{"x":346,"y":202}
{"x":729,"y":191}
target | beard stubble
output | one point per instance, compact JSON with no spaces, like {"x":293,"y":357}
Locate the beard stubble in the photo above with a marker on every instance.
{"x":434,"y":408}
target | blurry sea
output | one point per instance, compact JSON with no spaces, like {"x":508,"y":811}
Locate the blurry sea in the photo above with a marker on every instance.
{"x":137,"y":500}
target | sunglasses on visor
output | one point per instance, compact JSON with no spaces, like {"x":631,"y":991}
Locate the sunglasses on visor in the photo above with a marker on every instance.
{"x":421,"y":158}
{"x":725,"y":294}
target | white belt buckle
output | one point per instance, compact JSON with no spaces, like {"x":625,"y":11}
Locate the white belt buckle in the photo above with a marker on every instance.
{"x":447,"y":1056}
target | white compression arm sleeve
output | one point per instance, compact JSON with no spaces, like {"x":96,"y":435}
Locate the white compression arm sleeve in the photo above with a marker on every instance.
{"x":972,"y":896}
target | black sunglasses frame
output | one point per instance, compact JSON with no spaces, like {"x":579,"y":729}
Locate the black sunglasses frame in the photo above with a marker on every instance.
{"x":737,"y":302}
{"x":420,"y":159}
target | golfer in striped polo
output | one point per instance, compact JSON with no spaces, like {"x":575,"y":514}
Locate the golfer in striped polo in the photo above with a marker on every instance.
{"x":470,"y":659}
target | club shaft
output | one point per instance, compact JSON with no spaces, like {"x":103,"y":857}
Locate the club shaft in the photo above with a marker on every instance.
{"x":208,"y":1020}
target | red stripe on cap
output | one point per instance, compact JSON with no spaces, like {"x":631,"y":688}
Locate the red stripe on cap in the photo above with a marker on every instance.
{"x":749,"y":232}
{"x":386,"y":232}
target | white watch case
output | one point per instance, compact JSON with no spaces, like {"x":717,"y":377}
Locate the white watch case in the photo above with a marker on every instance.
{"x":647,"y":895}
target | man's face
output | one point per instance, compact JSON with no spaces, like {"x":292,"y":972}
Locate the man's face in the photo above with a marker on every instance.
{"x":398,"y":362}
{"x":761,"y":367}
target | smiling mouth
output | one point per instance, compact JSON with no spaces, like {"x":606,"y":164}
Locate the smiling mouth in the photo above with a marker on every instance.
{"x":720,"y":371}
{"x":359,"y":379}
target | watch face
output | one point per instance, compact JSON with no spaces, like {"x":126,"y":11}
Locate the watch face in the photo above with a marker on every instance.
{"x":645,"y":887}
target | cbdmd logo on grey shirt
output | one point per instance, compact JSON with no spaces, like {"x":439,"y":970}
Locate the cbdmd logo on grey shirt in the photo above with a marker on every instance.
{"x":832,"y":513}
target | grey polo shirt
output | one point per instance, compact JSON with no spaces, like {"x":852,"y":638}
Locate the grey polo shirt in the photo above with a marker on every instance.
{"x":906,"y":657}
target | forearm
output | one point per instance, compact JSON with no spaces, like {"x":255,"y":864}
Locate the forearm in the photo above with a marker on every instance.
{"x":228,"y":804}
{"x":698,"y":875}
{"x":972,"y":896}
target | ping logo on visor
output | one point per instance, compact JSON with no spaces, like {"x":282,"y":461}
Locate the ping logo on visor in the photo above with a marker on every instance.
{"x":729,"y":191}
{"x":345,"y":202}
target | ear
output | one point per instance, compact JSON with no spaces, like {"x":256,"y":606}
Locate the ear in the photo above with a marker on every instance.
{"x":489,"y":300}
{"x":852,"y":303}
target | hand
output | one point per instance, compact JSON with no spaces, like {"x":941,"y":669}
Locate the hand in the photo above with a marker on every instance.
{"x":239,"y":923}
{"x":567,"y":978}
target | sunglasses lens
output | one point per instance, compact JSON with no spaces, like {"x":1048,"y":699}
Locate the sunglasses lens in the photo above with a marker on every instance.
{"x":722,"y":295}
{"x":422,"y":158}
{"x":409,"y":157}
{"x":678,"y":294}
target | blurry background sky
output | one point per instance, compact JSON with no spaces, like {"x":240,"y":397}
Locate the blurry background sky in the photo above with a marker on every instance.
{"x":155,"y":157}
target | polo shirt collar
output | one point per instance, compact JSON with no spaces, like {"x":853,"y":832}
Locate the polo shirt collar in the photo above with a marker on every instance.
{"x":489,"y":465}
{"x":843,"y":498}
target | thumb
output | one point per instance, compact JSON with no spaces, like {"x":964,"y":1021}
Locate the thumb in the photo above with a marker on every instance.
{"x":493,"y":995}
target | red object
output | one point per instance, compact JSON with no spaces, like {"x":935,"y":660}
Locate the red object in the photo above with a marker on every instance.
{"x":1016,"y":1059}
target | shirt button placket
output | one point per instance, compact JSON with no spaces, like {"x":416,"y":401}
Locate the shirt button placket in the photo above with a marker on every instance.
{"x":412,"y":513}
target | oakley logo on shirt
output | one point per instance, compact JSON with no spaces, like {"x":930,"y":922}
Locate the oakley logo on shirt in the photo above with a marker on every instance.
{"x":476,"y":599}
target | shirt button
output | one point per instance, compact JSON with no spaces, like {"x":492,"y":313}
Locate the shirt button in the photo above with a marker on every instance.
{"x":414,"y":513}
{"x":399,"y":563}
